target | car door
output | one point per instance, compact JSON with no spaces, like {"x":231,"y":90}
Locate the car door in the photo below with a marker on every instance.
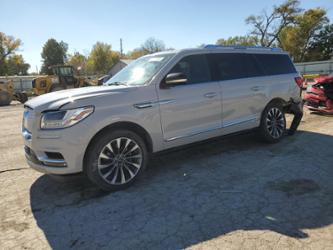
{"x":193,"y":107}
{"x":241,"y":87}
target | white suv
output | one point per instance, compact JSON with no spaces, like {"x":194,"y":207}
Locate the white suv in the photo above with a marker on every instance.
{"x":157,"y":102}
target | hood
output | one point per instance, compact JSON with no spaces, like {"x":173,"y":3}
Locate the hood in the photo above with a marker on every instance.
{"x":56,"y":100}
{"x":324,"y":79}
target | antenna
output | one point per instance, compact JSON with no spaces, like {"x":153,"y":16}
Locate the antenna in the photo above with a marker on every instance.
{"x":121,"y":47}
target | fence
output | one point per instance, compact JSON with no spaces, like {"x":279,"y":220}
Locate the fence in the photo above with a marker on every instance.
{"x":322,"y":67}
{"x":21,"y":83}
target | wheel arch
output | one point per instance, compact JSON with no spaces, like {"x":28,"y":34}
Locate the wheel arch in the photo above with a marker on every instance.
{"x":277,"y":100}
{"x":285,"y":104}
{"x":131,"y":126}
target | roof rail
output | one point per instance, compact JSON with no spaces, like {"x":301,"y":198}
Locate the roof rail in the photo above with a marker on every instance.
{"x":213,"y":46}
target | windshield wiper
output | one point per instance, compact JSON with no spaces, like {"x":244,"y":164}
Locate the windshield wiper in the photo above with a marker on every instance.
{"x":117,"y":83}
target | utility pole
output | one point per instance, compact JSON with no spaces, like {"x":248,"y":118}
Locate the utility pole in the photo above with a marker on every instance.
{"x":121,"y":47}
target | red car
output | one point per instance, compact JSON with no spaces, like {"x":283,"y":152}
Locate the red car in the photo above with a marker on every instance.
{"x":319,"y":95}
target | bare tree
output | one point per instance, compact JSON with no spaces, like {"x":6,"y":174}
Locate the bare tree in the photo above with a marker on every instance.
{"x":152,"y":45}
{"x":267,"y":27}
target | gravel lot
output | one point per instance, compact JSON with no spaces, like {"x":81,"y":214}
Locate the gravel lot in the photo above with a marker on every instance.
{"x":231,"y":193}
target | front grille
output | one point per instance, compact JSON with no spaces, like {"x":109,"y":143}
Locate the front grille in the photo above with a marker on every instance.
{"x":312,"y":93}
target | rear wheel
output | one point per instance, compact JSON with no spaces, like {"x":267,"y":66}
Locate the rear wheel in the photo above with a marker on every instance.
{"x":115,"y":160}
{"x":273,"y":123}
{"x":5,"y":98}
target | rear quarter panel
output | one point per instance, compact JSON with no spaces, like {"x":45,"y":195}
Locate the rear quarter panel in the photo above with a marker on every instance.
{"x":281,"y":86}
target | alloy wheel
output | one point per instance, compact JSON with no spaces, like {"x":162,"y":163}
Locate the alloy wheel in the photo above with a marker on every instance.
{"x":275,"y":123}
{"x":120,"y":161}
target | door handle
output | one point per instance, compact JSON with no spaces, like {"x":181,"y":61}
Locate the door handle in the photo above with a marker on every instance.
{"x":255,"y":88}
{"x":210,"y":95}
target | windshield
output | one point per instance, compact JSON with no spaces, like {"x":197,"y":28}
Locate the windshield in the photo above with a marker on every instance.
{"x":140,"y":71}
{"x":63,"y":71}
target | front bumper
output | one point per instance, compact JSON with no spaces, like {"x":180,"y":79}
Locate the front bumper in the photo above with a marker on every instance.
{"x":58,"y":152}
{"x":318,"y":102}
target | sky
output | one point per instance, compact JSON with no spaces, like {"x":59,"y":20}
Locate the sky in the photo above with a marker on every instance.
{"x":179,"y":23}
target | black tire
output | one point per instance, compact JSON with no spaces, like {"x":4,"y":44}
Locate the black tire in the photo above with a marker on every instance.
{"x":98,"y":147}
{"x":22,"y":97}
{"x":272,"y":110}
{"x":5,"y":98}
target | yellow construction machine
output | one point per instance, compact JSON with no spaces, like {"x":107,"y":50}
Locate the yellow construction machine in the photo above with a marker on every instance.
{"x":62,"y":78}
{"x":8,"y":93}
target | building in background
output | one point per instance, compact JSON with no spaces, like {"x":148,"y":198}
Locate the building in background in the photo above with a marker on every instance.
{"x":122,"y":63}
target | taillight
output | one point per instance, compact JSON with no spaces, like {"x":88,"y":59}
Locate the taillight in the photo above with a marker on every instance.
{"x":299,"y":81}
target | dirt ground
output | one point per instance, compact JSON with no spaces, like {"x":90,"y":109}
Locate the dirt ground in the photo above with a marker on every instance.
{"x":231,"y":193}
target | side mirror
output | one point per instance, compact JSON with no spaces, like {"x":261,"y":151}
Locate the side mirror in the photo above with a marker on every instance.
{"x":175,"y":78}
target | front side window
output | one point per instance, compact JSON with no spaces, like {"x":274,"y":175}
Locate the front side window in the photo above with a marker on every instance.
{"x":140,"y":71}
{"x":195,"y":68}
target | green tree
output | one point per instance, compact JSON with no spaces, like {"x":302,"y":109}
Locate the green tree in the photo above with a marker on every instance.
{"x":79,"y":62}
{"x":239,"y":40}
{"x":268,"y":26}
{"x":296,"y":38}
{"x":102,"y":58}
{"x":136,"y":53}
{"x":16,"y":65}
{"x":8,"y":46}
{"x":321,"y":46}
{"x":53,"y":53}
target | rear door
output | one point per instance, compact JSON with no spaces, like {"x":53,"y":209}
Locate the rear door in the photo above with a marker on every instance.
{"x":191,"y":108}
{"x":280,"y":75}
{"x":241,"y":84}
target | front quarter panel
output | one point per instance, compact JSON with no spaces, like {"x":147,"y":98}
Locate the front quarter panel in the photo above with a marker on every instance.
{"x":120,"y":107}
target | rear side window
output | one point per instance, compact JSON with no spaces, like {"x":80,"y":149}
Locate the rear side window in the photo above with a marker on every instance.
{"x":229,"y":66}
{"x":275,"y":64}
{"x":253,"y":68}
{"x":195,"y":67}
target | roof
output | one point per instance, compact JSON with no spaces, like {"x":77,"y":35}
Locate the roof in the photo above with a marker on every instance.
{"x":242,"y":47}
{"x":238,"y":48}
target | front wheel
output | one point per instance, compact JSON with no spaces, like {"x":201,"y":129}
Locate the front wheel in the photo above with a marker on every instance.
{"x":273,"y":123}
{"x":115,"y":160}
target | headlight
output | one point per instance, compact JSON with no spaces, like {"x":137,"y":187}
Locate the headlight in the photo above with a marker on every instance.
{"x":64,"y":118}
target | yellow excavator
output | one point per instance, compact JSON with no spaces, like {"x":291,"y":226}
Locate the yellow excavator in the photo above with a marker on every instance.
{"x":8,"y":93}
{"x":62,"y":78}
